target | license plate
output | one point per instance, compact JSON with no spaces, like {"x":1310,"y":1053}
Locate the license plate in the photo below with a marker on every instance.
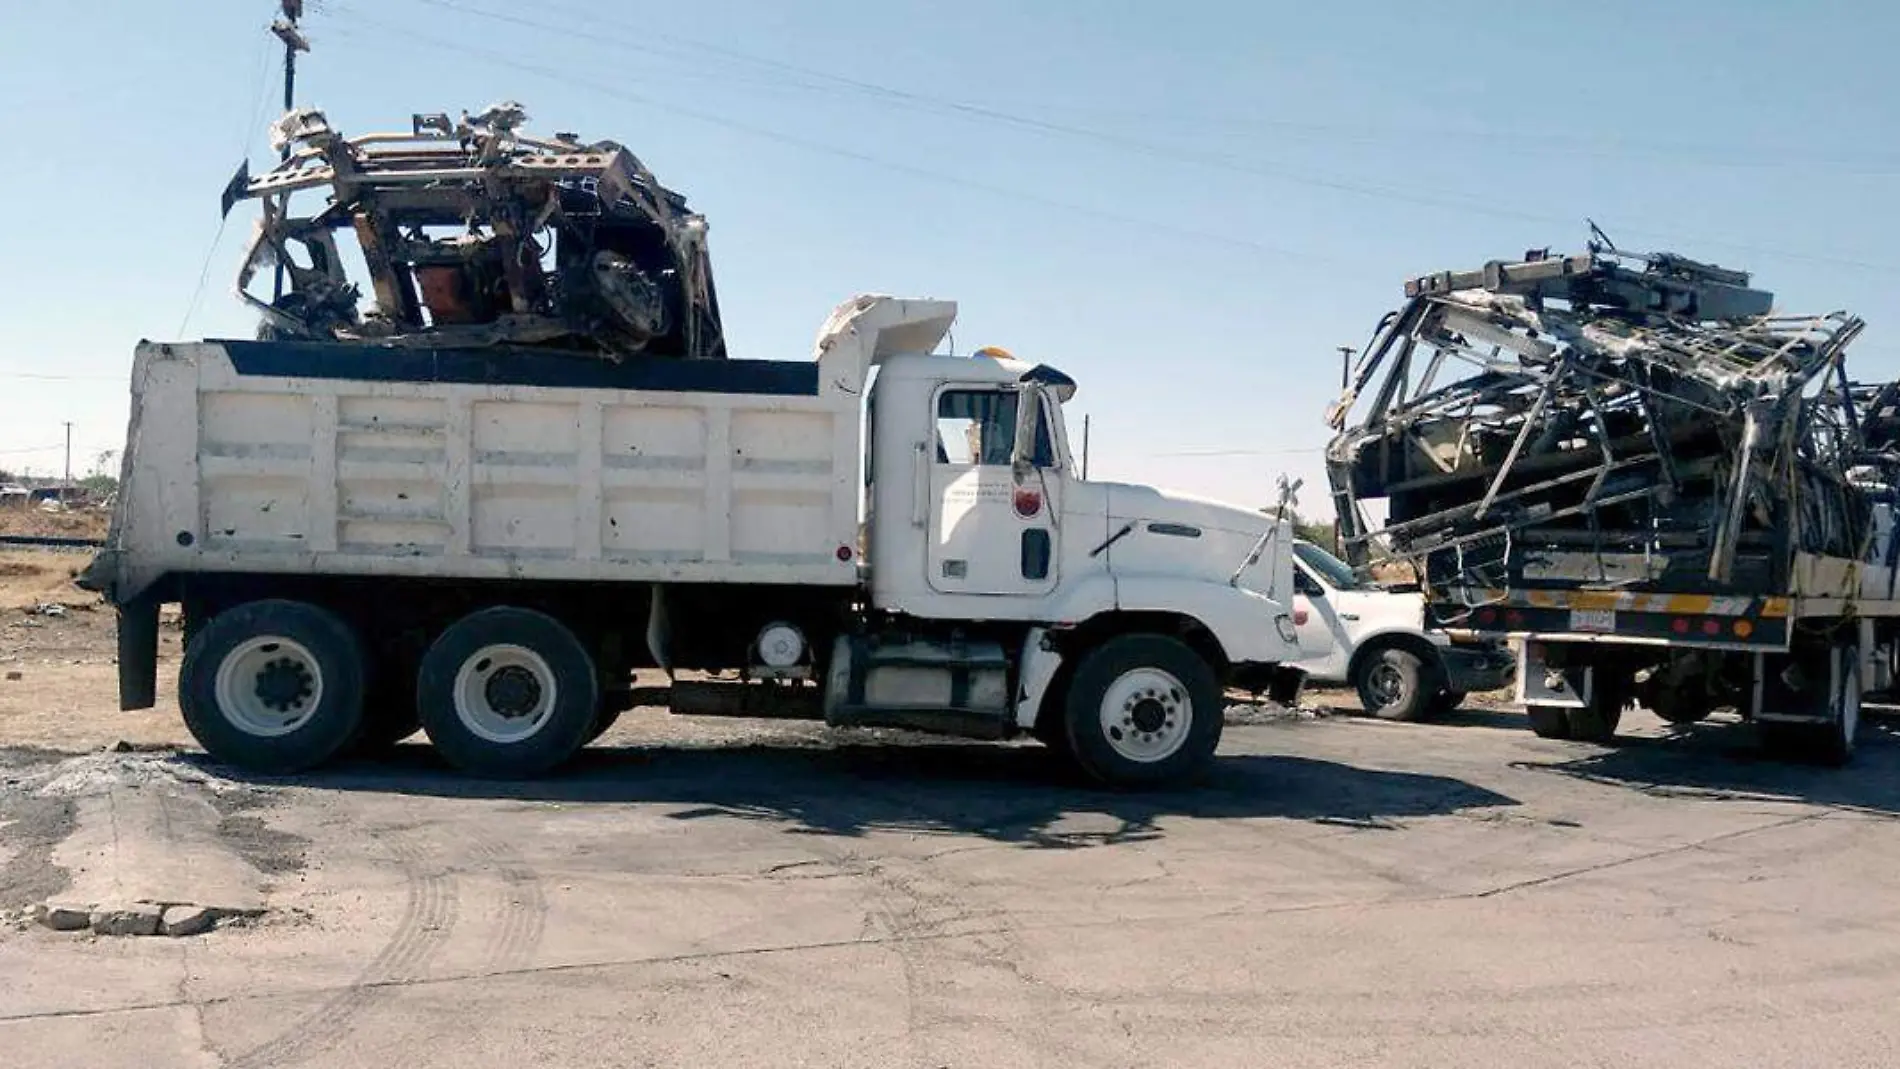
{"x":1592,"y":619}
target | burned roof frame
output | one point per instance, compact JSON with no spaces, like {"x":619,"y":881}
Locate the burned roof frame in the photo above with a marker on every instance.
{"x":472,"y":233}
{"x":1602,"y":401}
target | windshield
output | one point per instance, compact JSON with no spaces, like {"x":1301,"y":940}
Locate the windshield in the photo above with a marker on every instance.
{"x":1337,"y":573}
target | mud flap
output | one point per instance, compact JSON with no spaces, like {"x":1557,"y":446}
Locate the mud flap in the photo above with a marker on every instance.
{"x":138,"y":653}
{"x":1541,"y":682}
{"x":1037,"y":670}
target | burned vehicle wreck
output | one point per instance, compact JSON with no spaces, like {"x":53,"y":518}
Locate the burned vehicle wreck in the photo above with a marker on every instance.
{"x":473,"y":233}
{"x":1669,"y":494}
{"x":1600,"y":417}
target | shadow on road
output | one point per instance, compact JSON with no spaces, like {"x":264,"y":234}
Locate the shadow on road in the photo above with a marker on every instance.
{"x":1478,"y":716}
{"x":1725,"y":760}
{"x":1012,"y":794}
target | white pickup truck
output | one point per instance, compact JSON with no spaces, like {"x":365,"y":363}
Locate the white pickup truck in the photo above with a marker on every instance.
{"x":490,"y":540}
{"x":1354,"y":631}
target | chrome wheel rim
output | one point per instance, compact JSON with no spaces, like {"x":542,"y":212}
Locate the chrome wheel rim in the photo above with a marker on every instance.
{"x":1386,"y":684}
{"x":505,"y":693}
{"x":269,"y":686}
{"x":1146,"y":715}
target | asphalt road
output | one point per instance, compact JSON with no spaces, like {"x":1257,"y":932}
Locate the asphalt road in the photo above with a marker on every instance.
{"x":1340,"y":893}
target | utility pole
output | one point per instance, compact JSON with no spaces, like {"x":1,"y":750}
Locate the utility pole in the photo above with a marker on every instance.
{"x":1085,"y":447}
{"x":69,"y":460}
{"x":294,"y":42}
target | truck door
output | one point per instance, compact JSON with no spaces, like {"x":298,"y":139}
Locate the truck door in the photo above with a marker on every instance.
{"x":990,"y":533}
{"x":1313,"y":621}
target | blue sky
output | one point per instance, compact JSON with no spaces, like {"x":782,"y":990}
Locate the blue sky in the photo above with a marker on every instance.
{"x":1185,"y":205}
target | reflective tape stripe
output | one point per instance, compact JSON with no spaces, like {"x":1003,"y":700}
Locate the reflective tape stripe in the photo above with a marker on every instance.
{"x":1626,"y":601}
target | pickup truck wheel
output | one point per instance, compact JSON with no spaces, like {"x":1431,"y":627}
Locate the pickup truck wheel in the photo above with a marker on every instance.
{"x":507,"y":692}
{"x":1448,"y":701}
{"x":1395,"y":684}
{"x":1143,"y":710}
{"x":273,"y":686}
{"x":1548,"y":721}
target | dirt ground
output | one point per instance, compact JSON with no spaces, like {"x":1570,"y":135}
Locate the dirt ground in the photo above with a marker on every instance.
{"x":1338,"y":892}
{"x":67,"y":523}
{"x":58,"y":675}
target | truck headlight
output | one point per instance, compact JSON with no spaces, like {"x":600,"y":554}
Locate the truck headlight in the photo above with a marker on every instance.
{"x":1285,"y":625}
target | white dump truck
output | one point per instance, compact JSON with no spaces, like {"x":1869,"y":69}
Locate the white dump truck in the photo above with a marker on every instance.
{"x":490,"y":541}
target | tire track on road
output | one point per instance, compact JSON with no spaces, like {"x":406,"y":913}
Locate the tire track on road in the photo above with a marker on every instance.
{"x":520,"y":916}
{"x":425,"y":926}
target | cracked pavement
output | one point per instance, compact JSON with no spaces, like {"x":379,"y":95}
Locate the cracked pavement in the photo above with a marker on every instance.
{"x":1341,"y":893}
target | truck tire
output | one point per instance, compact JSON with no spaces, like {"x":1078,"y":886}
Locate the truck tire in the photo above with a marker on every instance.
{"x":273,"y":686}
{"x":1836,"y":740}
{"x":1548,"y":721}
{"x":1143,"y":710}
{"x":1448,"y":701}
{"x":1597,"y":721}
{"x":1396,"y":684}
{"x":1677,"y":693}
{"x":1594,"y":722}
{"x":507,"y":693}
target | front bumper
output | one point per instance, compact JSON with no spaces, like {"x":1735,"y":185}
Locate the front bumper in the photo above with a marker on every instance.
{"x":1476,"y":669}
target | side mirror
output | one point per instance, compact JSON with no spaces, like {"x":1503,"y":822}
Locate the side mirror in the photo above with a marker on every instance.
{"x":1022,"y":453}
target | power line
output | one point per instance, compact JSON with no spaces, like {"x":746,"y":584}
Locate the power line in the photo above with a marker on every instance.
{"x":1361,"y":134}
{"x":505,"y":60}
{"x":890,"y":94}
{"x":259,"y":101}
{"x":1202,"y":453}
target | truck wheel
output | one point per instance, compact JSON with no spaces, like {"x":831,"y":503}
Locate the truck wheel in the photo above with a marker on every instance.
{"x":1395,"y":684}
{"x":1143,"y":710}
{"x":1836,"y":744}
{"x":1548,"y":721}
{"x":1448,"y":701}
{"x":507,"y":692}
{"x":273,"y":686}
{"x":1595,"y":722}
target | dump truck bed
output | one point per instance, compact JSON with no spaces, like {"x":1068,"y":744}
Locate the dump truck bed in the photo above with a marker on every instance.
{"x":485,"y":463}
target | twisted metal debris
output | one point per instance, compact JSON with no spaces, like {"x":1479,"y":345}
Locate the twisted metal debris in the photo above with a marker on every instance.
{"x":1607,"y":419}
{"x":473,"y":233}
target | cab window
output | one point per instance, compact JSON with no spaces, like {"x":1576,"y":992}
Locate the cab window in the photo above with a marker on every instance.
{"x":1337,"y":573}
{"x":979,"y":427}
{"x":1305,"y":584}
